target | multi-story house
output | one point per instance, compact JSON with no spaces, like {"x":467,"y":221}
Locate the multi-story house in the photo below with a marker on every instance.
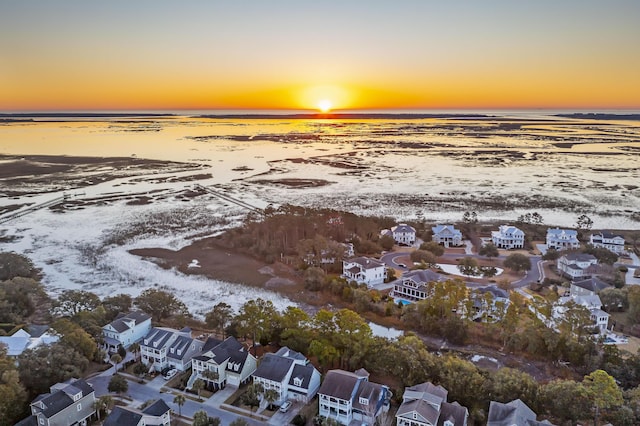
{"x":508,"y":237}
{"x":610,"y":241}
{"x":414,"y":285}
{"x":156,"y":414}
{"x":290,"y":374}
{"x":426,"y":405}
{"x":30,"y":338}
{"x":364,"y":270}
{"x":228,"y":362}
{"x":562,"y":239}
{"x":446,"y":235}
{"x":68,"y":403}
{"x":345,"y":397}
{"x":489,"y":303}
{"x":402,"y":234}
{"x":166,"y":347}
{"x":577,"y":265}
{"x":126,"y":330}
{"x":515,"y":412}
{"x":588,"y":287}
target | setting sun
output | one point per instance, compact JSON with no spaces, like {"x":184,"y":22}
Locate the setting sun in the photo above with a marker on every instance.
{"x":324,"y":105}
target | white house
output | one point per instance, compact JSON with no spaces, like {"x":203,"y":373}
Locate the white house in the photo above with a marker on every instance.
{"x":22,"y":339}
{"x":290,"y":374}
{"x":413,"y":286}
{"x":508,"y":237}
{"x":68,"y":403}
{"x":228,"y":359}
{"x":156,"y":414}
{"x":577,"y":265}
{"x":515,"y":412}
{"x":562,"y":239}
{"x":364,"y":270}
{"x":126,"y":330}
{"x":402,"y":234}
{"x":426,"y":405}
{"x":587,"y":287}
{"x":165,"y":347}
{"x":346,"y":396}
{"x":489,"y":303}
{"x":446,"y":235}
{"x":610,"y":241}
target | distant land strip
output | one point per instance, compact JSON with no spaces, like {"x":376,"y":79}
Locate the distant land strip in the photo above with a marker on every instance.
{"x":601,"y":116}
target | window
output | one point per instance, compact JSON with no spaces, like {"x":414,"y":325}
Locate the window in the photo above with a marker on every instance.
{"x":297,"y":381}
{"x":41,"y":421}
{"x":363,"y":401}
{"x":79,"y":406}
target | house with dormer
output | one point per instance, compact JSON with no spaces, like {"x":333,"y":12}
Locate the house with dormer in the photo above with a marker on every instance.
{"x":125,"y":330}
{"x":156,"y":414}
{"x":426,"y":405}
{"x":508,"y":237}
{"x":28,"y":338}
{"x":364,"y":270}
{"x":402,"y":234}
{"x":447,"y":235}
{"x":577,"y":265}
{"x":413,"y":286}
{"x":345,"y":397}
{"x":515,"y":412}
{"x":608,"y":240}
{"x":166,"y":347}
{"x":227,"y":361}
{"x":290,"y":374}
{"x":67,"y":403}
{"x":562,"y":239}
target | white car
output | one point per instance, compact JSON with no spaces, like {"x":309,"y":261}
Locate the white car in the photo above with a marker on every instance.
{"x":285,"y":406}
{"x":170,"y":374}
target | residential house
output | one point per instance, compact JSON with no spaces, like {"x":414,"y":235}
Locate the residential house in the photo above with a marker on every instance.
{"x":290,"y":374}
{"x":588,"y":287}
{"x":512,"y":413}
{"x":610,"y":241}
{"x":562,"y":239}
{"x":68,"y":403}
{"x":156,"y":414}
{"x":426,"y":405}
{"x":346,"y":396}
{"x":364,"y":270}
{"x":577,"y":265}
{"x":229,"y":360}
{"x":580,"y":295}
{"x":125,"y":330}
{"x":489,"y":303}
{"x":402,"y":234}
{"x":508,"y":237}
{"x":165,"y":347}
{"x":446,"y":235}
{"x":413,"y":286}
{"x":28,"y":338}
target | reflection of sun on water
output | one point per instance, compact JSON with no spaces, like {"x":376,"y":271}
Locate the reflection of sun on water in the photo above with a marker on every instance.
{"x":324,"y":105}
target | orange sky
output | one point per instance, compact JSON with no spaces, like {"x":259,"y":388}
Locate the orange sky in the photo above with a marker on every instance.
{"x":75,"y":55}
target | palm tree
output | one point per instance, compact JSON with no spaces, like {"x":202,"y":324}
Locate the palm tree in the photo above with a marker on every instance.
{"x":180,"y":400}
{"x":270,"y":395}
{"x":105,"y":403}
{"x":135,"y":349}
{"x":211,"y":375}
{"x":116,"y":359}
{"x":198,"y":385}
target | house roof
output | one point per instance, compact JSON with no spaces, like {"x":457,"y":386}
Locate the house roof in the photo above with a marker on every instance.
{"x":179,"y":347}
{"x":372,"y":392}
{"x":339,"y":384}
{"x":37,"y":330}
{"x":121,"y":416}
{"x":15,"y":345}
{"x":453,"y":412}
{"x":427,"y":411}
{"x":304,"y":372}
{"x":509,"y":229}
{"x":495,"y":291}
{"x":210,"y":343}
{"x":608,"y":235}
{"x":157,"y":337}
{"x":366,"y":262}
{"x":589,"y":301}
{"x":515,"y":412}
{"x":445,"y":229}
{"x":580,"y":257}
{"x":289,"y":353}
{"x":423,"y":276}
{"x":595,"y":285}
{"x":59,"y":398}
{"x":29,"y":421}
{"x":273,"y":367}
{"x":120,"y":324}
{"x":157,"y":409}
{"x":403,"y":227}
{"x":557,"y":232}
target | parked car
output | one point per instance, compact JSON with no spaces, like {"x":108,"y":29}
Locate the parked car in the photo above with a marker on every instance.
{"x":170,"y":373}
{"x":285,"y":406}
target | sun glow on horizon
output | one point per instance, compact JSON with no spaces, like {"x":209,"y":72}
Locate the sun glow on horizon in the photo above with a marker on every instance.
{"x":324,"y":105}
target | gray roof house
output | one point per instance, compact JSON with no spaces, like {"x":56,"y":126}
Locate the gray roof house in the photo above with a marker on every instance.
{"x":156,"y":414}
{"x":166,"y":347}
{"x":562,"y":239}
{"x":68,"y":403}
{"x":413,"y":286}
{"x":290,"y":374}
{"x":426,"y":405}
{"x":577,"y":265}
{"x":508,"y":237}
{"x":402,"y":234}
{"x":125,"y":330}
{"x":589,"y":286}
{"x":229,"y":359}
{"x":609,"y":240}
{"x":30,"y":338}
{"x":364,"y":270}
{"x":512,"y":413}
{"x":446,"y":235}
{"x":345,"y":397}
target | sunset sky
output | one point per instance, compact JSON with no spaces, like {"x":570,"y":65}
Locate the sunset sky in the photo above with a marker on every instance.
{"x":241,"y":54}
